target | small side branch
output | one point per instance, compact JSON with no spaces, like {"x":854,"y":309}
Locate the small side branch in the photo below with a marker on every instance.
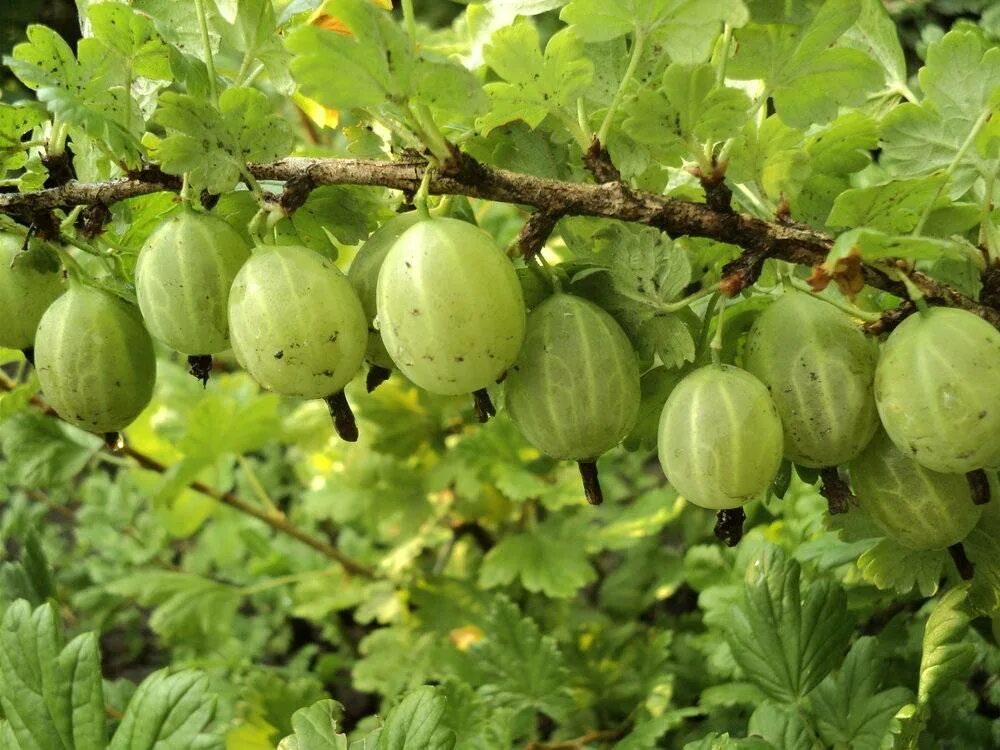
{"x":535,"y":233}
{"x":277,"y":522}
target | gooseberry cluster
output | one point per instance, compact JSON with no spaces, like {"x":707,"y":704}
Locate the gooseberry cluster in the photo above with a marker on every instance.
{"x":438,"y":300}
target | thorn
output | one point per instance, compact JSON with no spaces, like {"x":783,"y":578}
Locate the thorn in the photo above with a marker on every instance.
{"x":200,"y":366}
{"x":343,"y":417}
{"x":484,"y":405}
{"x":729,"y":525}
{"x":376,"y":376}
{"x":591,"y":482}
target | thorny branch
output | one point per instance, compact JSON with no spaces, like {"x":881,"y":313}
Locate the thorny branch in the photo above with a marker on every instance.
{"x":465,"y":176}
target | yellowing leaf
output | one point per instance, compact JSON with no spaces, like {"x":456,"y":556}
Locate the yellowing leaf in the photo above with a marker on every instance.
{"x":324,"y":117}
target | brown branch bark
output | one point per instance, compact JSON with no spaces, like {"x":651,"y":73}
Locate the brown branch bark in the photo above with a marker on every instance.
{"x":594,"y":735}
{"x":279,"y":523}
{"x":614,"y":200}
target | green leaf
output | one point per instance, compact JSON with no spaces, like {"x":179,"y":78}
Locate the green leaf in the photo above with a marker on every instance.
{"x":187,"y":606}
{"x":918,"y":139}
{"x":15,"y":121}
{"x":348,"y":214}
{"x":947,"y":655}
{"x":534,"y":85}
{"x":808,"y":78}
{"x":786,"y":641}
{"x":669,"y":337}
{"x":394,"y":659}
{"x":130,"y":37}
{"x":874,"y":33}
{"x":835,"y":152}
{"x":850,"y":709}
{"x":889,"y":565}
{"x":893,"y":207}
{"x":871,"y":245}
{"x":415,"y":723}
{"x":30,"y":577}
{"x":212,"y":145}
{"x":260,"y":39}
{"x":521,"y":668}
{"x":981,"y":546}
{"x":782,"y":726}
{"x":365,"y":68}
{"x":80,"y":93}
{"x":169,"y":711}
{"x":687,"y":109}
{"x":686,"y":28}
{"x":316,"y":728}
{"x":645,"y":265}
{"x":449,"y":90}
{"x":44,"y":452}
{"x":773,"y":156}
{"x":646,"y":733}
{"x":550,"y":559}
{"x":961,"y":75}
{"x":716,"y":741}
{"x":51,"y":694}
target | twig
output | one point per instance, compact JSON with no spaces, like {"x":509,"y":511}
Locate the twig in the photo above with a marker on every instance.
{"x":535,"y":233}
{"x":277,"y":522}
{"x":594,"y":735}
{"x":890,"y":319}
{"x":790,"y":242}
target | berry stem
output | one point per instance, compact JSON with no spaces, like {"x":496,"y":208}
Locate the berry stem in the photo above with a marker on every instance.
{"x":200,"y":366}
{"x":962,"y":562}
{"x":716,"y":345}
{"x":591,"y":482}
{"x":114,"y":442}
{"x":376,"y":376}
{"x":836,"y":491}
{"x":979,"y":485}
{"x":729,"y":525}
{"x":484,"y":405}
{"x":343,"y":417}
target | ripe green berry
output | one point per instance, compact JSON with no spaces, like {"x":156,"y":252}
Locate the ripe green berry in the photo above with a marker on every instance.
{"x":720,"y":439}
{"x":450,"y":308}
{"x":819,"y":368}
{"x":26,"y":291}
{"x":574,"y":391}
{"x":364,"y":272}
{"x":936,"y":390}
{"x":296,"y":324}
{"x":182,"y":280}
{"x":94,"y":359}
{"x":919,"y":508}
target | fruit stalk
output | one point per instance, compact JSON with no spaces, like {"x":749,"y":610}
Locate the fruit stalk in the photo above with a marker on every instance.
{"x":591,"y":482}
{"x":729,"y":525}
{"x":343,"y":416}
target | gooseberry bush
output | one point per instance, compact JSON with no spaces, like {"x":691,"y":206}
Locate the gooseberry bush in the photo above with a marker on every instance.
{"x":568,"y":374}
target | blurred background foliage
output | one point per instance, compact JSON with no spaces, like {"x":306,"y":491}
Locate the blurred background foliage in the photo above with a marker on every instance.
{"x":493,"y":577}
